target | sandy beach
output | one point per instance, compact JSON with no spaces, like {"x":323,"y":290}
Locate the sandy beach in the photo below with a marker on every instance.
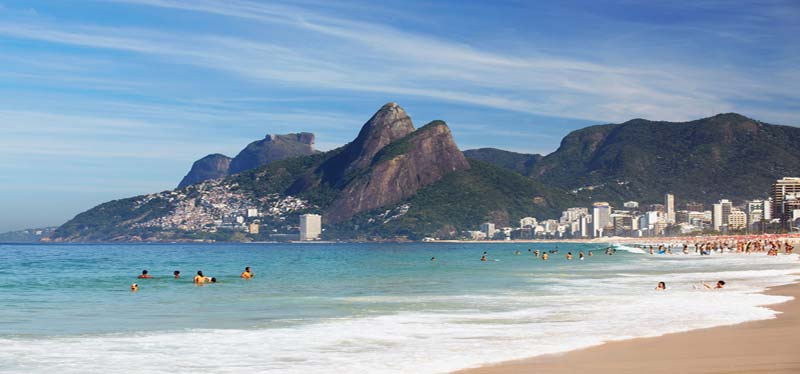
{"x":767,"y":346}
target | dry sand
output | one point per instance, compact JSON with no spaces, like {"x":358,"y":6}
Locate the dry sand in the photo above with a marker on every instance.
{"x":768,"y":346}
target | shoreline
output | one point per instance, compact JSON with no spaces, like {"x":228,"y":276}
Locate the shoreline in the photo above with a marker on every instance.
{"x":762,"y":346}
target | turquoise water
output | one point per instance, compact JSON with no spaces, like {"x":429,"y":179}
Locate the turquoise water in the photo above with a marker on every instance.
{"x":352,"y":307}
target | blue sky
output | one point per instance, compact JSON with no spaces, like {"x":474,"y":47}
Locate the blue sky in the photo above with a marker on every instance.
{"x":109,"y":99}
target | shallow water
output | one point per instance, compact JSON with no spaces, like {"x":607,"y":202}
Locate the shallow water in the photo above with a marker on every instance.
{"x":317,"y":308}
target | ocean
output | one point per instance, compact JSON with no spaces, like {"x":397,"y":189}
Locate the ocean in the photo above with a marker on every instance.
{"x":353,"y":308}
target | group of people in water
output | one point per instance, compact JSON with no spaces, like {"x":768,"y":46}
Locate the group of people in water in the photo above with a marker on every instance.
{"x":545,"y":255}
{"x":662,"y":286}
{"x":199,"y":278}
{"x":770,"y":247}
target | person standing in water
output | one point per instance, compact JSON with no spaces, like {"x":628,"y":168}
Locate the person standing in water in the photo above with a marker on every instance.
{"x":580,"y":256}
{"x":247,"y":274}
{"x":177,"y":274}
{"x":483,"y":258}
{"x":544,"y":256}
{"x":144,"y":275}
{"x":569,"y":255}
{"x":199,"y":278}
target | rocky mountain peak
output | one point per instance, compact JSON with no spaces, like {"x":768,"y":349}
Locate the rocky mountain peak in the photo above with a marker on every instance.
{"x":212,"y":166}
{"x":388,"y":124}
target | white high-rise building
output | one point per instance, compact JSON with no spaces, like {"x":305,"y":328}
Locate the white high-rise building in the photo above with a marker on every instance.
{"x":601,"y":212}
{"x":310,"y":226}
{"x":669,"y":206}
{"x":720,"y":214}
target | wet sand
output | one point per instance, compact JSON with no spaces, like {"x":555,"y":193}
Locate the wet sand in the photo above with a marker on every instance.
{"x":768,"y":346}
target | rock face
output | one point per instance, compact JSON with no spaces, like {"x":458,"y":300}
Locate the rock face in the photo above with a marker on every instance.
{"x":272,"y":148}
{"x":210,"y":167}
{"x":398,"y":169}
{"x":259,"y":153}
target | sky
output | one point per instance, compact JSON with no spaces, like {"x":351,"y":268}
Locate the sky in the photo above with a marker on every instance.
{"x":101,"y":100}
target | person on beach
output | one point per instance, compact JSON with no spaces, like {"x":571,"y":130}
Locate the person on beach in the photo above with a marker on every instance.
{"x":134,"y":287}
{"x":144,"y":275}
{"x":661,"y":286}
{"x":177,"y":274}
{"x":199,"y":278}
{"x":247,"y":274}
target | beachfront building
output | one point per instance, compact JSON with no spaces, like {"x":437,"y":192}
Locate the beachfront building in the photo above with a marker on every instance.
{"x":528,"y":222}
{"x":310,"y":227}
{"x":720,"y":214}
{"x":253,"y":228}
{"x":601,"y":218}
{"x":488,"y":229}
{"x":669,"y":205}
{"x":785,"y":199}
{"x":252,"y":212}
{"x":737,"y":219}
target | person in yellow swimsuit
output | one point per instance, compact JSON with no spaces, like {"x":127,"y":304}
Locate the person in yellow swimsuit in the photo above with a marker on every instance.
{"x":199,"y":278}
{"x":247,"y":274}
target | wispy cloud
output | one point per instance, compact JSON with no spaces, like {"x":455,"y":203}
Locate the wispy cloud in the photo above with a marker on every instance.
{"x":365,"y":57}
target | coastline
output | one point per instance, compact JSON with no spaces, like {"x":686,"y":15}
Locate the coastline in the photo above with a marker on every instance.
{"x":764,"y":346}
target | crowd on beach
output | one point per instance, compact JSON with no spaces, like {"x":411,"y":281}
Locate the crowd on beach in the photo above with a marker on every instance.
{"x":199,"y":278}
{"x":740,"y":245}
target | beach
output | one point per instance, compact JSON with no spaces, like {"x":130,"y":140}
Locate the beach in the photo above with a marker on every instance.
{"x":372,"y":308}
{"x":767,"y":346}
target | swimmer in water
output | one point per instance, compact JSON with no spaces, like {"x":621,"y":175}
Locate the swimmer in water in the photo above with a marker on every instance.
{"x":544,"y":257}
{"x":590,"y":253}
{"x":433,"y":258}
{"x":247,"y":274}
{"x":177,"y":274}
{"x":144,"y":275}
{"x":661,"y":286}
{"x":580,"y":256}
{"x":536,"y":253}
{"x":483,"y":258}
{"x":516,"y":252}
{"x":199,"y":278}
{"x":569,"y":255}
{"x":134,"y":287}
{"x":720,"y":285}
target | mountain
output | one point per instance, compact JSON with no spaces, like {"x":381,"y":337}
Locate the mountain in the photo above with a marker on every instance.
{"x":213,"y":166}
{"x":26,"y":236}
{"x":521,"y":163}
{"x":392,"y":180}
{"x":272,"y":148}
{"x":259,"y":153}
{"x":388,"y":161}
{"x":724,"y":156}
